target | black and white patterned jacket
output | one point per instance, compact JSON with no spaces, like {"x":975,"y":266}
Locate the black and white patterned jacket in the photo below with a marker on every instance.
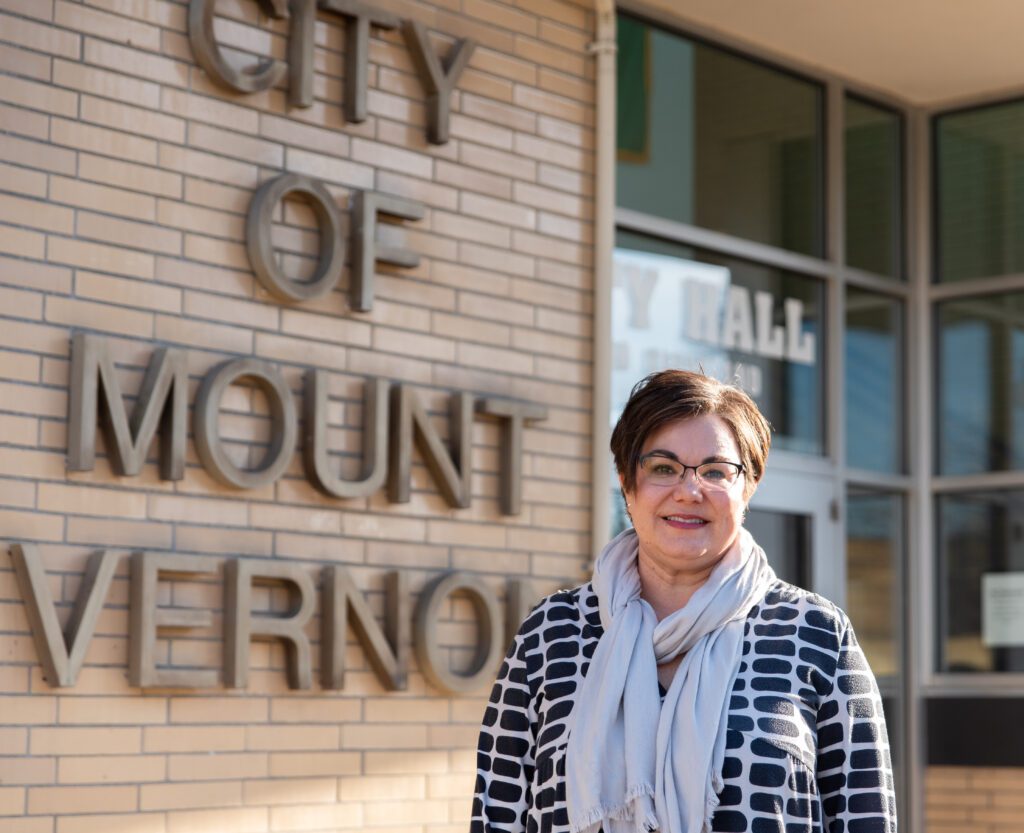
{"x":807,"y":750}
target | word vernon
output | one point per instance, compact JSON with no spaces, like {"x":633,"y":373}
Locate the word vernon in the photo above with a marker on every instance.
{"x":394,"y":416}
{"x":62,"y":654}
{"x":437,"y":78}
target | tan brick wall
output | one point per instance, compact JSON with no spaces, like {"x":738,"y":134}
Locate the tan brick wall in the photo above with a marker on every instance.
{"x":974,"y":799}
{"x":125,"y":175}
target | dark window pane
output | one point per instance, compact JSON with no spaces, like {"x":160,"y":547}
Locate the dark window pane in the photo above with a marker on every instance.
{"x":674,"y":306}
{"x":712,"y":139}
{"x":980,"y":582}
{"x":785,"y":538}
{"x":981,"y":384}
{"x":980,"y":190}
{"x":874,"y":192}
{"x":977,"y":732}
{"x":874,"y":381}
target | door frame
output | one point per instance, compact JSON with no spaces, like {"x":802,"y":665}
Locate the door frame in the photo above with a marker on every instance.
{"x":815,"y":495}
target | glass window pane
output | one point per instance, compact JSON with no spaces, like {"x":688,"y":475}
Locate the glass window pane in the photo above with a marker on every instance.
{"x":980,"y":192}
{"x":981,"y":384}
{"x":874,"y":381}
{"x":708,"y":138}
{"x":874,"y":601}
{"x":874,"y":189}
{"x":675,"y":306}
{"x":785,"y":538}
{"x":980,"y":582}
{"x":874,"y":545}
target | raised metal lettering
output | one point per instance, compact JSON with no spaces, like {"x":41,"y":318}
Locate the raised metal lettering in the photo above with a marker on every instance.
{"x":259,"y":244}
{"x":62,"y":652}
{"x":366,"y":251}
{"x":163,"y":401}
{"x":429,"y":653}
{"x":206,"y":430}
{"x":438,"y":79}
{"x":375,"y":439}
{"x":451,"y":471}
{"x":359,"y":17}
{"x":147,"y":617}
{"x":386,"y":649}
{"x":513,"y":415}
{"x":301,"y":40}
{"x":241,"y":627}
{"x":265,"y":74}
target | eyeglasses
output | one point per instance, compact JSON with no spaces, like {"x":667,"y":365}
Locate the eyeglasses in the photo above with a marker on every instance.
{"x":659,"y":470}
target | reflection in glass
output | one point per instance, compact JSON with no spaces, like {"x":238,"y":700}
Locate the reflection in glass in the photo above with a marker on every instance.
{"x":759,"y":327}
{"x":874,"y":544}
{"x":786,"y":540}
{"x":709,"y":138}
{"x":874,"y":381}
{"x":981,"y":384}
{"x":980,"y":582}
{"x":980,"y":192}
{"x":874,"y":188}
{"x":875,"y":601}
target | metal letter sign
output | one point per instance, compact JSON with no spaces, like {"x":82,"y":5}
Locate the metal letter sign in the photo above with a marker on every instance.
{"x":241,"y":626}
{"x":263,"y":76}
{"x":438,"y":79}
{"x":387,"y":649}
{"x":375,"y":439}
{"x":147,"y":617}
{"x":62,"y":652}
{"x":366,"y":251}
{"x":162,"y":400}
{"x":359,"y":17}
{"x":490,"y":639}
{"x":207,"y":417}
{"x":258,"y":242}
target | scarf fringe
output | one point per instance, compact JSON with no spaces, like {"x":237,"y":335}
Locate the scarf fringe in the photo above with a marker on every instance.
{"x":621,"y":812}
{"x":710,"y":805}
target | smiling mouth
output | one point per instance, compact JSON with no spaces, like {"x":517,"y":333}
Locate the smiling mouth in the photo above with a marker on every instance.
{"x":685,"y":521}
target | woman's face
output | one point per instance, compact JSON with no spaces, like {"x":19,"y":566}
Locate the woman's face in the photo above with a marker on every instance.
{"x":684,"y":528}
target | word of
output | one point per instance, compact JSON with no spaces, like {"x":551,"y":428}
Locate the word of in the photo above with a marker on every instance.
{"x":366,"y":206}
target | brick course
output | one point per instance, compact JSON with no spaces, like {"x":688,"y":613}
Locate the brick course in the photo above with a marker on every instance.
{"x":125,"y":176}
{"x":974,"y":799}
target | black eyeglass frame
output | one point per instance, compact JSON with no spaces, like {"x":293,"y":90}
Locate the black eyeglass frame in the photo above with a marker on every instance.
{"x":740,"y":468}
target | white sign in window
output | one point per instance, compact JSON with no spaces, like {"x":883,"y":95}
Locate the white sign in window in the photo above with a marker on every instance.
{"x":1002,"y":610}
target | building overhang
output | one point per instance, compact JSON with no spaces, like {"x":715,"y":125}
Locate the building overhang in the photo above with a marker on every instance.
{"x":926,"y":53}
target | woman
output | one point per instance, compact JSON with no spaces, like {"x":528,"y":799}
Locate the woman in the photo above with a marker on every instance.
{"x":685,"y":688}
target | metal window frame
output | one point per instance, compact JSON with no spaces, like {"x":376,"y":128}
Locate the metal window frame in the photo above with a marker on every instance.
{"x":918,"y":486}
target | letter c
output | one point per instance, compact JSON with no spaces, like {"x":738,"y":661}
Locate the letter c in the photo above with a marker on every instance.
{"x":264,"y":75}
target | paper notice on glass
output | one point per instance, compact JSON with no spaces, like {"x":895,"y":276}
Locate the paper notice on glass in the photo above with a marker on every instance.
{"x":1002,"y":610}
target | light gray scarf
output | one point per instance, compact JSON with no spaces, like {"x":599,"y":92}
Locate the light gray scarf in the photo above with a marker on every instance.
{"x":633,"y":763}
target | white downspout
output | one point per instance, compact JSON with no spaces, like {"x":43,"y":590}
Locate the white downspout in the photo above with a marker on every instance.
{"x":604,"y":47}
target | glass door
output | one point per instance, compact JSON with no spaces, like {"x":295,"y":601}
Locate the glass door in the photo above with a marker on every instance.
{"x":792,"y":517}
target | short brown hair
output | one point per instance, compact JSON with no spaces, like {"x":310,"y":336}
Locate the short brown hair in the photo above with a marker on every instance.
{"x":671,"y":395}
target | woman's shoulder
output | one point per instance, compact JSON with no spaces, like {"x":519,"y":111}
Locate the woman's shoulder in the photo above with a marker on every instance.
{"x":562,"y":614}
{"x":787,"y":606}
